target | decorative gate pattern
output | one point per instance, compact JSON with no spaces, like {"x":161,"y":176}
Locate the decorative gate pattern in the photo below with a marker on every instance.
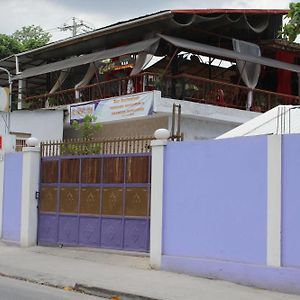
{"x":96,"y":201}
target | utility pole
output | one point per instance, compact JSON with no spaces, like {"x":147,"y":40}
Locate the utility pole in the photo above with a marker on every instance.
{"x":77,"y":25}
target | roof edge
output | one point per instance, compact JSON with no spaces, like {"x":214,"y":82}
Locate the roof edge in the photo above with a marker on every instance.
{"x":216,"y":10}
{"x":101,"y":30}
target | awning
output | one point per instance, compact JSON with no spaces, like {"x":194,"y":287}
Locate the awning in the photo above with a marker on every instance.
{"x":147,"y":45}
{"x":221,"y":52}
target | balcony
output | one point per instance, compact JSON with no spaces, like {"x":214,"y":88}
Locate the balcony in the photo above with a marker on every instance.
{"x":184,"y":87}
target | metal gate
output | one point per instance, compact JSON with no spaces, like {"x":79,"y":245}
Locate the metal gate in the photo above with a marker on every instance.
{"x":98,"y":200}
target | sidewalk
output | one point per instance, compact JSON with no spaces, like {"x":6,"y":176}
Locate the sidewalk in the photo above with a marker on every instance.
{"x":124,"y":273}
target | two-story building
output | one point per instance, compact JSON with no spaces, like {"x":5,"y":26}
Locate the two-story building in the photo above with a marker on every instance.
{"x":222,"y":66}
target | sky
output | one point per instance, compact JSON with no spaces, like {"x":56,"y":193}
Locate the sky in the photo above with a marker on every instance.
{"x":50,"y":14}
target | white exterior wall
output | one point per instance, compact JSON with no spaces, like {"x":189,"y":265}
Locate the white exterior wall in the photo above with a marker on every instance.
{"x":197,"y":129}
{"x":42,"y":124}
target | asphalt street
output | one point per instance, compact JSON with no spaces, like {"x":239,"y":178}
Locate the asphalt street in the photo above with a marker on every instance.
{"x":12,"y":289}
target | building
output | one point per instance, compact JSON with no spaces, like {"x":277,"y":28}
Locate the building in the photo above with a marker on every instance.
{"x":223,"y":66}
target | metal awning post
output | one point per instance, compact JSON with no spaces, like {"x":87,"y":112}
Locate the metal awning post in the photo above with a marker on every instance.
{"x":9,"y":97}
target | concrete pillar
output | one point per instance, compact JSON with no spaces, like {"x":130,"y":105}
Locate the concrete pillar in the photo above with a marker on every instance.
{"x":157,"y":184}
{"x":274,"y":201}
{"x":30,"y":185}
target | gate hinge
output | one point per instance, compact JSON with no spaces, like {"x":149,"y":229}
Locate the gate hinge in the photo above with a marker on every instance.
{"x":37,"y":195}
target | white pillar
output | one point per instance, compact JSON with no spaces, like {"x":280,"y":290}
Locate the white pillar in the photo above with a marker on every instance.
{"x":20,"y":84}
{"x":274,"y":201}
{"x":30,"y":185}
{"x":157,"y":184}
{"x":20,"y":95}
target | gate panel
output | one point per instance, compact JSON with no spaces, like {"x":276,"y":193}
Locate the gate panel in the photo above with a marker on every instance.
{"x":96,"y":201}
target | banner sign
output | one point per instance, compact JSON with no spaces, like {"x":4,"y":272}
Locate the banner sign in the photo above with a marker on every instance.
{"x":4,"y":99}
{"x":80,"y":111}
{"x":117,"y":108}
{"x":124,"y":107}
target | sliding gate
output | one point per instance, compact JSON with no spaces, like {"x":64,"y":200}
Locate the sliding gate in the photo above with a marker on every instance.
{"x":95,"y":201}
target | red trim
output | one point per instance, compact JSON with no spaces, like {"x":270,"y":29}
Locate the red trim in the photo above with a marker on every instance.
{"x":233,"y":11}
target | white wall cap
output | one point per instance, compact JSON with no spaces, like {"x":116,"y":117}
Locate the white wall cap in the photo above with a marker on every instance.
{"x":31,"y":149}
{"x":155,"y":143}
{"x":162,"y":134}
{"x":32,"y":142}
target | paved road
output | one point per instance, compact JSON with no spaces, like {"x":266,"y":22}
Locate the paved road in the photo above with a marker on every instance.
{"x":12,"y":289}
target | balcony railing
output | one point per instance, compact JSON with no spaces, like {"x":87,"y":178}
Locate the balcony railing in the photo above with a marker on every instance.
{"x":183,"y":86}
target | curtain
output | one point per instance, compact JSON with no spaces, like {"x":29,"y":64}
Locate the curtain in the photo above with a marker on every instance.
{"x":61,"y":79}
{"x":142,"y":60}
{"x":249,"y":71}
{"x":86,"y":79}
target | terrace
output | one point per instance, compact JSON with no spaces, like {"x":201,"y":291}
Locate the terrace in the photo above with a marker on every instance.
{"x":183,"y":87}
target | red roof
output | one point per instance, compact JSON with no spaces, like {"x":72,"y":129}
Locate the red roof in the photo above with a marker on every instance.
{"x":231,"y":11}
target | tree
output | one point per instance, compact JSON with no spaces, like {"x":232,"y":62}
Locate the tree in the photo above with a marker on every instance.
{"x":8,"y":46}
{"x":27,"y":38}
{"x":292,"y":28}
{"x":31,"y":37}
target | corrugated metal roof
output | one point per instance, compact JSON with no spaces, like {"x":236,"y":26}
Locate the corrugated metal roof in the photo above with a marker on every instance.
{"x":102,"y":30}
{"x":145,"y":18}
{"x":231,"y":11}
{"x":283,"y":119}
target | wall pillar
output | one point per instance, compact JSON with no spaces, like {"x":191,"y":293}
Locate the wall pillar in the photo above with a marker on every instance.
{"x":274,"y":201}
{"x":157,"y":184}
{"x":30,"y":185}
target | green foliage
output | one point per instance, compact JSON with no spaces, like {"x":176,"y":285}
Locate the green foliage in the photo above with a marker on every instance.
{"x":27,"y":38}
{"x":80,"y":149}
{"x":87,"y":129}
{"x":31,"y":37}
{"x":292,"y":28}
{"x":8,"y":46}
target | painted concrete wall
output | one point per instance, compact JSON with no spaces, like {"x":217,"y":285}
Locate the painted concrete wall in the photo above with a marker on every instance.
{"x":42,"y":124}
{"x":291,"y":201}
{"x":231,"y":210}
{"x":1,"y":190}
{"x":215,"y":200}
{"x":12,"y":197}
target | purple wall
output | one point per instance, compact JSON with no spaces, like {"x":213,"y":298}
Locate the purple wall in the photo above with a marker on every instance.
{"x":291,"y":200}
{"x":12,"y":196}
{"x":215,"y":200}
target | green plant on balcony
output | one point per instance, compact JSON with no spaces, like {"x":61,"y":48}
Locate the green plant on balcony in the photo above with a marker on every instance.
{"x":52,"y":101}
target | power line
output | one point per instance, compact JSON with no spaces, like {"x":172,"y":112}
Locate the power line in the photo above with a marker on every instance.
{"x":76,"y":27}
